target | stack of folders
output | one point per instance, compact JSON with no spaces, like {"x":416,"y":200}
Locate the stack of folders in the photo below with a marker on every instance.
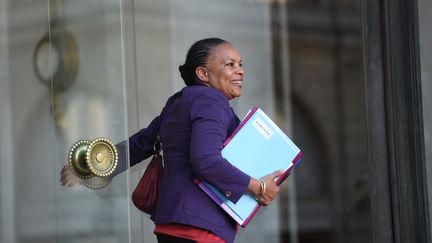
{"x":258,"y":147}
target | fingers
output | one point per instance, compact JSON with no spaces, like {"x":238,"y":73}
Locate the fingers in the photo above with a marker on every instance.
{"x":272,"y":190}
{"x":271,"y":193}
{"x":72,"y":182}
{"x":65,"y":172}
{"x":264,"y":202}
{"x":65,"y":175}
{"x":272,"y":176}
{"x":68,"y":180}
{"x":68,"y":177}
{"x":65,"y":168}
{"x":277,"y":173}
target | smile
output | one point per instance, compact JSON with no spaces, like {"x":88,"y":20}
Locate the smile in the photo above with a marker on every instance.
{"x":237,"y":82}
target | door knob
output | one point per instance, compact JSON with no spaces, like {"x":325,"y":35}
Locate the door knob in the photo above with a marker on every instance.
{"x":93,"y":158}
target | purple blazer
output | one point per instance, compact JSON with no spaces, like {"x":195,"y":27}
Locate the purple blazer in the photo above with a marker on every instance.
{"x":193,"y":126}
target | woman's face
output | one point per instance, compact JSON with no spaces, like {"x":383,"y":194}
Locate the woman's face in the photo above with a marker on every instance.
{"x":224,"y":70}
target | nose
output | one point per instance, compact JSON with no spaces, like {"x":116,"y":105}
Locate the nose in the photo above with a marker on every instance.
{"x":240,"y":70}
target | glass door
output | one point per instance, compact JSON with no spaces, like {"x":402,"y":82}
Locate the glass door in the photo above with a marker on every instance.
{"x":425,"y":36}
{"x":63,"y":81}
{"x":94,"y":107}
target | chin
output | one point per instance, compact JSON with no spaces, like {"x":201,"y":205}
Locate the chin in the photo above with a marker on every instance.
{"x":236,"y":95}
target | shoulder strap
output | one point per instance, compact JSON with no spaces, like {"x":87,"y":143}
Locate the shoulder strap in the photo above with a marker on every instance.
{"x":158,"y":144}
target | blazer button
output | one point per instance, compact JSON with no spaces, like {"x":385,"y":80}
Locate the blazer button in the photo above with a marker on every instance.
{"x":228,"y":194}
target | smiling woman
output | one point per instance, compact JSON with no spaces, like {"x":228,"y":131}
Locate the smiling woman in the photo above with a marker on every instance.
{"x":193,"y":126}
{"x":223,"y":71}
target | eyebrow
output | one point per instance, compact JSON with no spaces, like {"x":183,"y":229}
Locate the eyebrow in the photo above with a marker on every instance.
{"x":234,"y":60}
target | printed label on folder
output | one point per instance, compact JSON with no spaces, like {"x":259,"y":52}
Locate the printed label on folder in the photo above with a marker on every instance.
{"x":262,"y":128}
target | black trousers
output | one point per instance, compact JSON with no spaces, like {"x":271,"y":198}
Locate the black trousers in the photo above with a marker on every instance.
{"x":172,"y":239}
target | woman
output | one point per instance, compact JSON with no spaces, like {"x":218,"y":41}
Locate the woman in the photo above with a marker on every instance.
{"x":193,"y":126}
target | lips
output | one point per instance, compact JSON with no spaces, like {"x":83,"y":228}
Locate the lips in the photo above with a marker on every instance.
{"x":237,"y":82}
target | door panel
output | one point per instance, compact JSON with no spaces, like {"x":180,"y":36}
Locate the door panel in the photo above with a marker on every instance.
{"x":93,"y":107}
{"x":63,"y":81}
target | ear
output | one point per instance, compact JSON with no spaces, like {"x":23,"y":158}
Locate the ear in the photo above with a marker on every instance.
{"x":202,"y":74}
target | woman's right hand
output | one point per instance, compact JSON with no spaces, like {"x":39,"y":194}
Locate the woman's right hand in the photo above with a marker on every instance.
{"x":68,"y":177}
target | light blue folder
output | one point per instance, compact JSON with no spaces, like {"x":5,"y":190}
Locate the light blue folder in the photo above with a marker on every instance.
{"x":258,"y":147}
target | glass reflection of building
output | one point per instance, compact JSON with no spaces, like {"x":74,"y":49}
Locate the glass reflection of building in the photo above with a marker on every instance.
{"x":304,"y":67}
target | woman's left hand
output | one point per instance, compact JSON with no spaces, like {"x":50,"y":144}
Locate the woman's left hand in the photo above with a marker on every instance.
{"x":271,"y":189}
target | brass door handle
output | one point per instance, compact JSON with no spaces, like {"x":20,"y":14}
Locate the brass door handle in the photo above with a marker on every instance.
{"x":67,"y":62}
{"x":93,"y":158}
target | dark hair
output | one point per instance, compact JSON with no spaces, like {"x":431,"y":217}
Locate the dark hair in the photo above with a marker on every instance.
{"x":197,"y":57}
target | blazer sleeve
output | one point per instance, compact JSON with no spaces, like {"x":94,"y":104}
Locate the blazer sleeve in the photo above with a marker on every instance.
{"x":210,"y":123}
{"x":140,"y":146}
{"x":141,"y":143}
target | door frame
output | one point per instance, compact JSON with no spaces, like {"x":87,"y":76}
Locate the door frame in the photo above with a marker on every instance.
{"x":398,"y":187}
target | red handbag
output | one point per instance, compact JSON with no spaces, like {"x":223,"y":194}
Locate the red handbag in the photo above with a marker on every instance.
{"x":145,"y":194}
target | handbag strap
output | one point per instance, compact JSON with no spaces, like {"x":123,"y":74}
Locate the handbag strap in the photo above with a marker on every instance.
{"x":157,"y":147}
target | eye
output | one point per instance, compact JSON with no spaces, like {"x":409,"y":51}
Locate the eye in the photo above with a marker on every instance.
{"x":233,"y":64}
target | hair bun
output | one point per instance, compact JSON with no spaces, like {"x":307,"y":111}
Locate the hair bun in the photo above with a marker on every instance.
{"x":186,"y":75}
{"x":182,"y":68}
